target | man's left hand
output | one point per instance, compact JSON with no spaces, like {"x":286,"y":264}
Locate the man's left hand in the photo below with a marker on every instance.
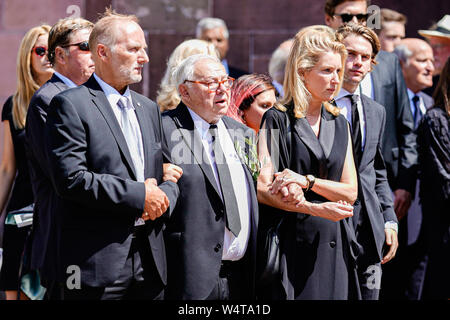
{"x":392,"y":242}
{"x":402,"y":202}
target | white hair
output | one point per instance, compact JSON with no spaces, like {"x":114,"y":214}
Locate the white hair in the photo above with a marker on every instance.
{"x":211,"y":23}
{"x":277,"y":64}
{"x":403,"y":53}
{"x":186,"y":68}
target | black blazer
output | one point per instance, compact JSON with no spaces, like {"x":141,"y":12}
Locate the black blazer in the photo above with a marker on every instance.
{"x":399,"y":143}
{"x":377,"y":200}
{"x":46,"y":200}
{"x":195,"y":232}
{"x":92,"y":172}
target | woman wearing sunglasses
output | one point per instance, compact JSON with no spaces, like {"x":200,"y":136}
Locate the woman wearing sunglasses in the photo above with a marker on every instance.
{"x":33,"y":70}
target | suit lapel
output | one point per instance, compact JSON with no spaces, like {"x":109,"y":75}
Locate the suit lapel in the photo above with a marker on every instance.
{"x":306,"y":134}
{"x":369,"y":117}
{"x":185,"y":125}
{"x":326,"y":134}
{"x":102,"y":103}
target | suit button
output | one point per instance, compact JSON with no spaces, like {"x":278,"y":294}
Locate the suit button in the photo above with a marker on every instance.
{"x":332,"y":244}
{"x":217,"y":248}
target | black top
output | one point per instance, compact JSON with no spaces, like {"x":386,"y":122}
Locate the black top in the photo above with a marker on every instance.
{"x":314,"y":249}
{"x":22,"y":194}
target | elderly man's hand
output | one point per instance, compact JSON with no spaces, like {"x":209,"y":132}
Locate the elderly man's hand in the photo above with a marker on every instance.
{"x":156,"y":201}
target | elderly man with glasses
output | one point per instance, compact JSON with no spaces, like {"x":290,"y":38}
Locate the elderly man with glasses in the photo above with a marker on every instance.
{"x":211,"y":234}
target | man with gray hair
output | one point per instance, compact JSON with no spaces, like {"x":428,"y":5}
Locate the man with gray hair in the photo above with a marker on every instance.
{"x":417,"y":62}
{"x":73,"y":65}
{"x":105,"y":143}
{"x":215,"y":30}
{"x":211,"y":234}
{"x":277,"y":64}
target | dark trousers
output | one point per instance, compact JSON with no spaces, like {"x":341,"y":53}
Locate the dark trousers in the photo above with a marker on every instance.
{"x":138,"y":280}
{"x":229,"y":283}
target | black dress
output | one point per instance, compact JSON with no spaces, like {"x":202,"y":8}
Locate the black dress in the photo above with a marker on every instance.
{"x":316,"y":260}
{"x":433,"y":138}
{"x":21,"y":196}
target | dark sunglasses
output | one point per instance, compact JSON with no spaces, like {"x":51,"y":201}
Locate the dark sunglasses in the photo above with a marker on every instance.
{"x":83,"y":46}
{"x":347,"y":17}
{"x":40,"y":51}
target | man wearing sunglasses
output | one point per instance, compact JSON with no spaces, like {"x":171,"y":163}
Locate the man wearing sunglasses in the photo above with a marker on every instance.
{"x":71,"y":60}
{"x":211,"y":235}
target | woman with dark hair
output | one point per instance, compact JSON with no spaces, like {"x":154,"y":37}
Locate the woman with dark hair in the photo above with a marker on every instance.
{"x":433,"y":137}
{"x":251,"y":96}
{"x":33,"y":70}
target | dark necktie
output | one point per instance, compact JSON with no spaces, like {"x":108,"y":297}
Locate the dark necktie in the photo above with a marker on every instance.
{"x":356,"y":128}
{"x":417,"y":112}
{"x":226,"y":185}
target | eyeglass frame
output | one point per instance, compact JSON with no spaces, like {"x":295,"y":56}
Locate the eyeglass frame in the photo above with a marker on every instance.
{"x":40,"y":47}
{"x":78,"y":44}
{"x":209,"y":83}
{"x":360,"y":16}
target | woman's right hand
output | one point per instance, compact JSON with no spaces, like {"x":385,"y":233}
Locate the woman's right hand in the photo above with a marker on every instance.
{"x":334,"y":211}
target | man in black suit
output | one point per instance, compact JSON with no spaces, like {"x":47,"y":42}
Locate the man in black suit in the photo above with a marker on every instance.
{"x":71,"y":60}
{"x":215,"y":30}
{"x":104,"y":143}
{"x":211,"y":234}
{"x":374,"y":220}
{"x":385,"y":85}
{"x":408,"y":271}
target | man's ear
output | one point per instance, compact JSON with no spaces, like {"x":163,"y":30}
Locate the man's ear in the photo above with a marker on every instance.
{"x":102,"y":51}
{"x":183,"y":91}
{"x":328,"y":20}
{"x":60,"y":55}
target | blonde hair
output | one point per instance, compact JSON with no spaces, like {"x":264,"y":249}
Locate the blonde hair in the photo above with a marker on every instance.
{"x":309,"y":44}
{"x":26,"y":81}
{"x":167,"y":96}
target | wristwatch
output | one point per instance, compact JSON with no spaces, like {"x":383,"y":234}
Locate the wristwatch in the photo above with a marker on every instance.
{"x":311,"y":179}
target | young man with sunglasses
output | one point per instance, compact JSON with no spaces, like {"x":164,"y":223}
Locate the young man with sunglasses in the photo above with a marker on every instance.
{"x":71,"y":60}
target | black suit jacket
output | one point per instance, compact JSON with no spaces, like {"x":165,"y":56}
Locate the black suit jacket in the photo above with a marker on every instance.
{"x":93,"y":173}
{"x":195,"y":232}
{"x":46,"y":200}
{"x":377,"y":204}
{"x":399,"y":143}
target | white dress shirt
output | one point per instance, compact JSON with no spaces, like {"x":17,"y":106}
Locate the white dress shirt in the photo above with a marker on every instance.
{"x":233,"y":247}
{"x":344,"y":103}
{"x":66,"y":80}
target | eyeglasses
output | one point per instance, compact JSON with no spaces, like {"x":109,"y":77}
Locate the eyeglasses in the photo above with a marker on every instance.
{"x":83,"y":46}
{"x":214,"y":85}
{"x":40,"y":51}
{"x":347,"y":17}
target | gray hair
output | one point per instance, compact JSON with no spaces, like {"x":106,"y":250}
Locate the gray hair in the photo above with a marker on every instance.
{"x":186,"y":68}
{"x":277,"y":64}
{"x":211,"y":23}
{"x":403,"y":53}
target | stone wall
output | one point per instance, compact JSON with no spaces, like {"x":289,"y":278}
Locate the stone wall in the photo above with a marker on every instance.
{"x":256,"y":27}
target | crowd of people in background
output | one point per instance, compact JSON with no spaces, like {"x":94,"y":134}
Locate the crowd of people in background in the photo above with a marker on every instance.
{"x":342,"y":151}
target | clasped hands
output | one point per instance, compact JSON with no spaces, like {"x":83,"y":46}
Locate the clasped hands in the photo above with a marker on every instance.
{"x":291,"y":184}
{"x":156,"y":201}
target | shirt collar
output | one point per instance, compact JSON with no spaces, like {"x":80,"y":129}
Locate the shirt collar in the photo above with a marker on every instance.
{"x":225,"y":64}
{"x":412,"y":94}
{"x":66,"y":80}
{"x":200,"y":124}
{"x":112,"y":94}
{"x":342,"y":93}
